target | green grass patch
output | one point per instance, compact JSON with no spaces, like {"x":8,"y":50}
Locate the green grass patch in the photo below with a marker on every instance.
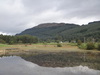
{"x":4,"y":45}
{"x":72,"y":44}
{"x":45,"y":43}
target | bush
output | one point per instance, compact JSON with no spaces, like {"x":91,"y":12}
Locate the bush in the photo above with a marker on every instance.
{"x":59,"y":45}
{"x":79,"y":42}
{"x":98,"y":47}
{"x":2,"y":41}
{"x":90,"y":46}
{"x":83,"y":46}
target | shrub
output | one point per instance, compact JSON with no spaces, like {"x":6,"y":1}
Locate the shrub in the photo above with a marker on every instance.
{"x":98,"y":47}
{"x":83,"y":46}
{"x":59,"y":45}
{"x":90,"y":46}
{"x":79,"y":42}
{"x":2,"y":41}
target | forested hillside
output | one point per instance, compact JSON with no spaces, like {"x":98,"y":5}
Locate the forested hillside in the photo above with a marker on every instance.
{"x":65,"y":32}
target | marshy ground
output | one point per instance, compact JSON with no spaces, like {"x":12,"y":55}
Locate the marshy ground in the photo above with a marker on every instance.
{"x":52,"y":56}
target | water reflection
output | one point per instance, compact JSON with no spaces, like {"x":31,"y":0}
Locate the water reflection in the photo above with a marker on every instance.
{"x":14,"y":65}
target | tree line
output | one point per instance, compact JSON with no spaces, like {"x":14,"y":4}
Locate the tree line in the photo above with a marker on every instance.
{"x":18,"y":39}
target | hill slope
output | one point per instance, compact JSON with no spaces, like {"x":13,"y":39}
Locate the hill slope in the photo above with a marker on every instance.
{"x":65,"y":31}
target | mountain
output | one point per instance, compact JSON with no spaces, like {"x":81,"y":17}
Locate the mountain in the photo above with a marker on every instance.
{"x":64,"y":31}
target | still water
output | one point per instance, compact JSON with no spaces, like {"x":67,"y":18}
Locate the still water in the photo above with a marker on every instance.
{"x":15,"y":65}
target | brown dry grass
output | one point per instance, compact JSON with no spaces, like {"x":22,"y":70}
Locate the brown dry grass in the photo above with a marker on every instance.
{"x":22,"y":48}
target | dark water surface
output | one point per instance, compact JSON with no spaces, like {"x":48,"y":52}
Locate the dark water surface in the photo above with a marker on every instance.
{"x":15,"y":65}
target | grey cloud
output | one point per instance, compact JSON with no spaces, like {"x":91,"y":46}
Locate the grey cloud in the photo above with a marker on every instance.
{"x":80,"y":8}
{"x":18,"y":15}
{"x":39,"y":6}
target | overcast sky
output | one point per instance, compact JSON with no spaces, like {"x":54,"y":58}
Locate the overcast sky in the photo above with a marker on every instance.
{"x":18,"y":15}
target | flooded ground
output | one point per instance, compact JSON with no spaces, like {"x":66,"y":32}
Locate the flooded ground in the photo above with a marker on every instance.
{"x":15,"y":65}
